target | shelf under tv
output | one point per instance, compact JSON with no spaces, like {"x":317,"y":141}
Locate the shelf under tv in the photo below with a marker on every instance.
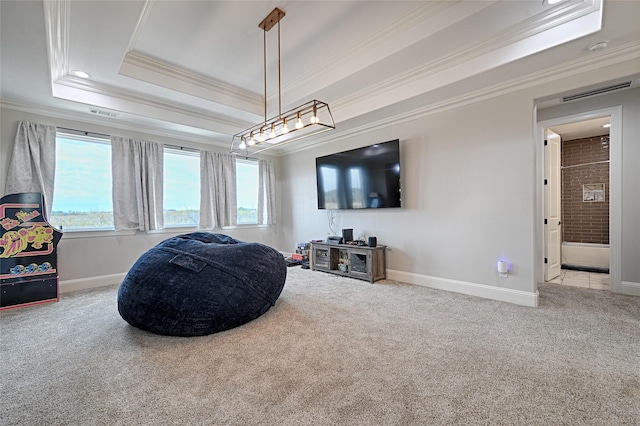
{"x":360,"y":262}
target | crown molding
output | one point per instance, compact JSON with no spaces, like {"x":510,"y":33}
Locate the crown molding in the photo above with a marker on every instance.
{"x":397,"y":88}
{"x":142,"y":20}
{"x":502,"y":48}
{"x":85,"y":118}
{"x":141,"y":67}
{"x":125,"y":101}
{"x":609,"y":57}
{"x":57,"y":23}
{"x":416,"y":18}
{"x":539,"y":23}
{"x":57,"y":15}
{"x":152,"y":70}
{"x":147,"y":100}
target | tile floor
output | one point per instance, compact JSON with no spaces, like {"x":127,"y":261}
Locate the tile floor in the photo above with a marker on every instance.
{"x":582,"y":279}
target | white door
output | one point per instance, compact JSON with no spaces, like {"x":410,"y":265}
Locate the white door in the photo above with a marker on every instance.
{"x":552,"y":230}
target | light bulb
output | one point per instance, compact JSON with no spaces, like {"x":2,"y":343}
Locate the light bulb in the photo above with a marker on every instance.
{"x":261,"y":135}
{"x":272,"y":133}
{"x":251,"y":141}
{"x":299,"y":124}
{"x":314,"y":117}
{"x":242,"y":144}
{"x":285,"y":128}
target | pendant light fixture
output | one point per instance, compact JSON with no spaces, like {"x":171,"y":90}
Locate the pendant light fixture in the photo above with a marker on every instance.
{"x":308,"y":119}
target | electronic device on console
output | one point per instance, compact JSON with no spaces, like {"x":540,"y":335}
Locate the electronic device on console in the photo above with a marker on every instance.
{"x":335,"y":239}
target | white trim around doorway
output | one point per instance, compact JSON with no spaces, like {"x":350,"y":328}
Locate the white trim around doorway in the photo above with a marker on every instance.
{"x":615,"y":193}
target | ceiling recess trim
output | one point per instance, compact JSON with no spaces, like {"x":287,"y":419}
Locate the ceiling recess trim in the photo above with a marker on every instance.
{"x":206,"y":138}
{"x":57,"y":14}
{"x":545,"y":21}
{"x":109,"y":97}
{"x":629,"y":52}
{"x":565,"y":24}
{"x":145,"y":68}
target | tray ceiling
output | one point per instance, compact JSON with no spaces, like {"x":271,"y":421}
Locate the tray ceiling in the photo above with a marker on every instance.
{"x":195,"y":68}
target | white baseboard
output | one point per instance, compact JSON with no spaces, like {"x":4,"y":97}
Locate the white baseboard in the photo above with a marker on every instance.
{"x":90,"y":282}
{"x":629,"y":288}
{"x":517,"y":297}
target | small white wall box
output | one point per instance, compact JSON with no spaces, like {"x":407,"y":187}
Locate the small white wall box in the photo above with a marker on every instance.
{"x":502,"y":268}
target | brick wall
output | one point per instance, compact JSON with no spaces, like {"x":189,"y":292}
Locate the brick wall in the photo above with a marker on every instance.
{"x":585,"y":222}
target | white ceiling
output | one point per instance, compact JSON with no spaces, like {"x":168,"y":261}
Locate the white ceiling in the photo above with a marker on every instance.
{"x":194,"y":69}
{"x":583,"y":129}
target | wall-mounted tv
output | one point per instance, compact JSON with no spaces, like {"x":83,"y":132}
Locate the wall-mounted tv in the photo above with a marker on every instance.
{"x":362,"y":178}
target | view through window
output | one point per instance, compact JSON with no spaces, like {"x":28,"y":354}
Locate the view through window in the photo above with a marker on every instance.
{"x":247,"y":191}
{"x":82,"y":188}
{"x":181,"y":196}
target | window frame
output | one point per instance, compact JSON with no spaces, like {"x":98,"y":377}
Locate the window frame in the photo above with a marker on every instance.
{"x":84,"y":137}
{"x":255,"y":163}
{"x":186,"y":152}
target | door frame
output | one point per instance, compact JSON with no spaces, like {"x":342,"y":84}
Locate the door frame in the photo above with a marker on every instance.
{"x":615,"y":190}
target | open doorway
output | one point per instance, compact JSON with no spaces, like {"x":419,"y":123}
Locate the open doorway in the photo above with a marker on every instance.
{"x":577,"y":207}
{"x":614,"y":193}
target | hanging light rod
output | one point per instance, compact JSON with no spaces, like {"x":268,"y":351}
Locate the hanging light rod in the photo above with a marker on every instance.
{"x":308,"y":119}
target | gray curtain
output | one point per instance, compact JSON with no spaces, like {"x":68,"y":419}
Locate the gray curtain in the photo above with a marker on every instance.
{"x":137,"y":168}
{"x":33,"y":162}
{"x":266,"y":193}
{"x":218,"y":203}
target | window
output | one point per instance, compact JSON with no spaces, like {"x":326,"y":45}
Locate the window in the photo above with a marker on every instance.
{"x":82,"y":188}
{"x":247,"y":191}
{"x":181,"y":184}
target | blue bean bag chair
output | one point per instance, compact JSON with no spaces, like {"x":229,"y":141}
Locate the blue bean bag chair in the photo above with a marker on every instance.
{"x":201,"y":283}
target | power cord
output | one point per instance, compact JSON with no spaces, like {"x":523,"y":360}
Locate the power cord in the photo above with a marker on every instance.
{"x":332,"y":224}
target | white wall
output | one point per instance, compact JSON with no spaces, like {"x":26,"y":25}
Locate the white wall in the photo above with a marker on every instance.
{"x":101,"y":260}
{"x":469,"y":194}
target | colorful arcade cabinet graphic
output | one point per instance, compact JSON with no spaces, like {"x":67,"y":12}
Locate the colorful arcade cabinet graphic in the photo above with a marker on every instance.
{"x":28,"y":258}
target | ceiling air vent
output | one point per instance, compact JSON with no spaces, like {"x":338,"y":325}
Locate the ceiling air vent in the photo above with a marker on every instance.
{"x":598,"y":91}
{"x":103,"y":113}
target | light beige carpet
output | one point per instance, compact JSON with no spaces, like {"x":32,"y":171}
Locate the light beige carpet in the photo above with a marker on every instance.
{"x":332,"y":351}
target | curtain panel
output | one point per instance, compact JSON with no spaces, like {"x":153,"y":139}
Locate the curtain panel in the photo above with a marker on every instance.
{"x":33,"y":162}
{"x":266,"y":193}
{"x":218,"y":203}
{"x":137,"y":171}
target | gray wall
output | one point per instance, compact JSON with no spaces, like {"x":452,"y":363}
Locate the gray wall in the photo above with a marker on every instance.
{"x":469,"y":190}
{"x":466,"y":192}
{"x":468,"y":182}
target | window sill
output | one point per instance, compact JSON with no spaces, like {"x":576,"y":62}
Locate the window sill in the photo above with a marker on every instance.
{"x":174,"y":230}
{"x":102,"y":233}
{"x":94,"y":233}
{"x":245,"y":226}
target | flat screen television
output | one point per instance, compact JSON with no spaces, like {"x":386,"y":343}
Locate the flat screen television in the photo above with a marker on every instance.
{"x":362,"y":178}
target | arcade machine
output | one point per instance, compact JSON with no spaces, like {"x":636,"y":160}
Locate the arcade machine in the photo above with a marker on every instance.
{"x":28,"y":257}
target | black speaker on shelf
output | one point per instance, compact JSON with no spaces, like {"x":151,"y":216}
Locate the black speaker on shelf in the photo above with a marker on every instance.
{"x":373,"y":241}
{"x":347,"y":235}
